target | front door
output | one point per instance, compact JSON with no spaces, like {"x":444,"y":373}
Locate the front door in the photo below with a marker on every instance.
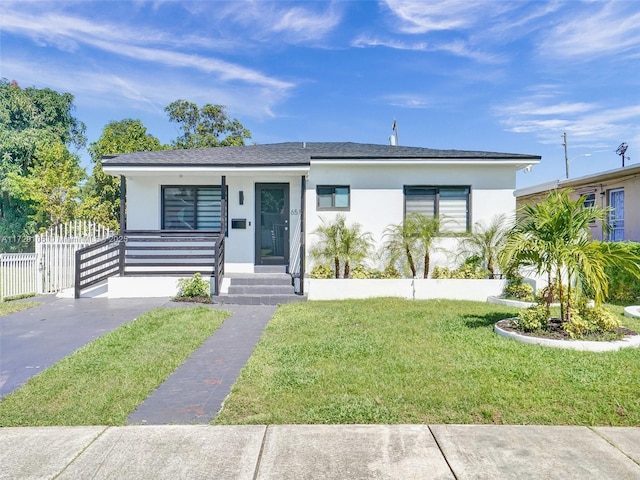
{"x":272,"y":222}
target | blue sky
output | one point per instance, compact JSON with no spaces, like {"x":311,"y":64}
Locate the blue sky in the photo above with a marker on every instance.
{"x":471,"y":75}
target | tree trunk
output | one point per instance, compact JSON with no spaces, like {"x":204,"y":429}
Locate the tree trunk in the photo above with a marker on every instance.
{"x":412,"y":265}
{"x":336,"y":265}
{"x":427,"y":260}
{"x":347,"y":269}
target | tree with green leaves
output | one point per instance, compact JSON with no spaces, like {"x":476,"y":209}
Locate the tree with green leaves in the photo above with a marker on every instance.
{"x":341,"y":244}
{"x":101,"y":194}
{"x":51,"y":187}
{"x":553,"y":236}
{"x":205,"y":127}
{"x":32,"y":121}
{"x":487,"y":241}
{"x":414,"y":238}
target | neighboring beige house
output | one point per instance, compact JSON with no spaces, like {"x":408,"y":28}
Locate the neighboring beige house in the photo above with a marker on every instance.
{"x":617,"y":189}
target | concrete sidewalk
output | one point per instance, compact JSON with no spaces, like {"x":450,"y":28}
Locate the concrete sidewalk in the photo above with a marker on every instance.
{"x":320,"y":452}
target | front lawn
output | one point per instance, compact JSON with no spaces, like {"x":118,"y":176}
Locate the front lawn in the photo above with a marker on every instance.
{"x":398,"y":361}
{"x":101,"y":383}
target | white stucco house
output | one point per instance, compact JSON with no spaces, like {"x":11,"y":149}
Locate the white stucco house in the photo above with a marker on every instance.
{"x":258,"y":205}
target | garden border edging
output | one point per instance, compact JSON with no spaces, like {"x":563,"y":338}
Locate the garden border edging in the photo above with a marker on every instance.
{"x":581,"y":345}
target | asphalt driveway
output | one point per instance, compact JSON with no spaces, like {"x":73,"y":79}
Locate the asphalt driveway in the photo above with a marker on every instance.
{"x":36,"y":338}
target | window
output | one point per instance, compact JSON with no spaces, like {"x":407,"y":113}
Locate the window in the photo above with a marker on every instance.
{"x":332,"y":197}
{"x":589,"y":201}
{"x":191,"y":208}
{"x":451,"y":203}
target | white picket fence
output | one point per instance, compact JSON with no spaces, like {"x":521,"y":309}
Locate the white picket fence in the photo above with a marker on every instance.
{"x":53,"y":263}
{"x":18,"y":274}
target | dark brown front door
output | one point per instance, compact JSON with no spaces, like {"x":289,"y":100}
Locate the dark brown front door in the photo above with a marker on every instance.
{"x":272,"y":222}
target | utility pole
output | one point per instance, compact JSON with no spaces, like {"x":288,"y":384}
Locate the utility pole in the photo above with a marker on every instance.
{"x":566,"y":157}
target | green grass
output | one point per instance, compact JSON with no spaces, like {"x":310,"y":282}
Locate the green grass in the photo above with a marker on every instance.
{"x":396,"y":361}
{"x":101,"y":383}
{"x":11,"y":307}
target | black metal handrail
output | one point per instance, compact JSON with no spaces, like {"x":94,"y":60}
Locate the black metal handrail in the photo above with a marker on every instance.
{"x":152,"y":253}
{"x":96,"y":263}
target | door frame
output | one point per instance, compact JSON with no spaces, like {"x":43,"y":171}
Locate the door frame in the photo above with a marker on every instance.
{"x":259,"y":259}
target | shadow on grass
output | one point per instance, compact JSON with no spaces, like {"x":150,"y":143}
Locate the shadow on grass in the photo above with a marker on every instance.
{"x":482,"y":321}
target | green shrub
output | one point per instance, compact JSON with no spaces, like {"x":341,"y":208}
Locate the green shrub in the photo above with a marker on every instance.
{"x":577,"y":327}
{"x":465,"y":271}
{"x":533,"y":318}
{"x":623,"y":286}
{"x":359,"y":272}
{"x":193,"y":287}
{"x":321,"y":271}
{"x":519,"y":290}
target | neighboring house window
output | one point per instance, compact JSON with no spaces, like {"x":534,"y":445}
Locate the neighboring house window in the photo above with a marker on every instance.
{"x":451,"y":203}
{"x":616,"y":215}
{"x":589,"y":201}
{"x":191,"y":208}
{"x":333,"y":197}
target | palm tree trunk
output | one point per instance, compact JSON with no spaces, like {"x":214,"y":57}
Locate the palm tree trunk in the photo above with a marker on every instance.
{"x":427,"y":260}
{"x":347,"y":269}
{"x":412,"y":265}
{"x":336,"y":264}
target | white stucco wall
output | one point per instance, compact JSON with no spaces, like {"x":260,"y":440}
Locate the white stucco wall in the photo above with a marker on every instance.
{"x":377,"y":198}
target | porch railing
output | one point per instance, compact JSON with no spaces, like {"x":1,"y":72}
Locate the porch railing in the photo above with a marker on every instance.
{"x":97,"y":262}
{"x":153,"y":253}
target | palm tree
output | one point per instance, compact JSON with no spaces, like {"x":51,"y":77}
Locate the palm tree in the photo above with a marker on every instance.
{"x":354,"y":246}
{"x":486,"y":242}
{"x":554,"y":237}
{"x":426,"y":230}
{"x":340,"y":242}
{"x":327,"y":249}
{"x":400,"y":243}
{"x":411,"y":239}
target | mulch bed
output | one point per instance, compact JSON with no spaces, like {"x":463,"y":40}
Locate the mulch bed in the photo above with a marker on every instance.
{"x":192,"y":299}
{"x":555,"y":331}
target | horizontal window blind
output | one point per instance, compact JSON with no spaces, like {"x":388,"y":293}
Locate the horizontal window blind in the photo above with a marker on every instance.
{"x":191,"y":208}
{"x":451,"y":203}
{"x":454,"y":207}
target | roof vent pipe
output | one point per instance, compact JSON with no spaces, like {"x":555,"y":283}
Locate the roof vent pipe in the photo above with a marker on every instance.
{"x":392,"y":140}
{"x":304,"y":144}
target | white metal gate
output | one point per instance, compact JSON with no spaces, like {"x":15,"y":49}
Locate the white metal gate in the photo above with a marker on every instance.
{"x":56,"y":252}
{"x":52,"y":267}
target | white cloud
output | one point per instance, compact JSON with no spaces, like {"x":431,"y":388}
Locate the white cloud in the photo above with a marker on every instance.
{"x":421,"y":17}
{"x":69,"y":32}
{"x":273,"y":21}
{"x":590,"y":124}
{"x":610,"y":28}
{"x":408,"y":100}
{"x":458,"y":48}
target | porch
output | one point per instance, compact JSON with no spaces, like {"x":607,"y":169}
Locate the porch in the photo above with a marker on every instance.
{"x":152,"y":254}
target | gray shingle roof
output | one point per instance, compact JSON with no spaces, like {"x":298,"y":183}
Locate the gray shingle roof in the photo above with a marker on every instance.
{"x":295,"y":154}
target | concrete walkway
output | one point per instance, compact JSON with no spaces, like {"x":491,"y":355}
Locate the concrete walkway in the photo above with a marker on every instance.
{"x":320,"y":452}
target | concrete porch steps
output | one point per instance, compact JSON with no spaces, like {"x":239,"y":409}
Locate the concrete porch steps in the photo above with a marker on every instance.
{"x":268,"y":286}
